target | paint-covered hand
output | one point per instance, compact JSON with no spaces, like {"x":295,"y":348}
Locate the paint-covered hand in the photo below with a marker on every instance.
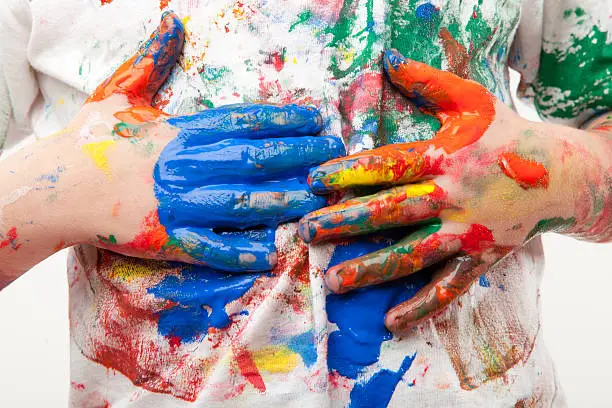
{"x":485,"y":184}
{"x":215,"y":175}
{"x":208,"y":188}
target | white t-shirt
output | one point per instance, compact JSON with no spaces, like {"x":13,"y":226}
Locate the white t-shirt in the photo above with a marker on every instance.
{"x":156,"y":334}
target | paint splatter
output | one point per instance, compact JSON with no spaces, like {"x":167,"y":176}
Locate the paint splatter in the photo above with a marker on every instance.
{"x":248,"y":369}
{"x":10,"y":239}
{"x":527,"y":173}
{"x":97,"y":152}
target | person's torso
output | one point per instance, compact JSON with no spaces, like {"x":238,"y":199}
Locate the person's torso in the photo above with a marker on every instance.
{"x":148,"y":333}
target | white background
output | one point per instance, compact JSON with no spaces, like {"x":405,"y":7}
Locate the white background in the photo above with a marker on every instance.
{"x":576,"y":295}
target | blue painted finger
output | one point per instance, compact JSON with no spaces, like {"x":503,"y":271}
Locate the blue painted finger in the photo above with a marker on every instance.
{"x":249,"y":121}
{"x":233,"y":253}
{"x":244,"y":160}
{"x":240,"y":206}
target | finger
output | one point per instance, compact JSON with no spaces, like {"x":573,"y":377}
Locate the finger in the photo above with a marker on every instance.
{"x":387,"y":165}
{"x":245,"y":160}
{"x":140,"y":77}
{"x":447,"y":284}
{"x":398,"y":206}
{"x":465,"y":108}
{"x":239,"y":206}
{"x":250,"y":121}
{"x":233,"y":253}
{"x":417,"y":251}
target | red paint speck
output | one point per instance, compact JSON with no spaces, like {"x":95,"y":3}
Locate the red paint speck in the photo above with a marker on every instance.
{"x":103,"y":2}
{"x":10,"y":239}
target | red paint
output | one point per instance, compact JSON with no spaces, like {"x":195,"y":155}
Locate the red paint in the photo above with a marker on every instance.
{"x":248,"y":369}
{"x":103,"y":2}
{"x":77,"y":386}
{"x":163,"y":4}
{"x":11,"y":237}
{"x":527,"y":173}
{"x":153,"y":236}
{"x":476,"y":239}
{"x":277,"y":59}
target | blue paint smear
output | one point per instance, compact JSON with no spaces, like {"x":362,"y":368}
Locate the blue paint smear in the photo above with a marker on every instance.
{"x":304,"y":345}
{"x":239,"y":167}
{"x":201,"y":295}
{"x":426,"y":11}
{"x":379,"y":389}
{"x":484,"y":281}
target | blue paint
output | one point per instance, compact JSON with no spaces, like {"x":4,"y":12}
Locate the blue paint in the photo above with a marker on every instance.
{"x":484,"y":281}
{"x":201,"y":295}
{"x":378,"y":390}
{"x":304,"y":345}
{"x":426,"y":12}
{"x":239,"y":167}
{"x":360,"y":314}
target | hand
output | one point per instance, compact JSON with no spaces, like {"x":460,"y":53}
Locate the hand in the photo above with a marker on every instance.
{"x":137,"y":181}
{"x":485,"y":184}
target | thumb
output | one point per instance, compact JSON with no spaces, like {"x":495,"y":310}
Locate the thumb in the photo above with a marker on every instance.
{"x":140,"y":77}
{"x":453,"y":100}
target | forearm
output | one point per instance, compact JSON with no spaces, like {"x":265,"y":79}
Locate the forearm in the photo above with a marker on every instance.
{"x":38,"y":212}
{"x":585,"y":161}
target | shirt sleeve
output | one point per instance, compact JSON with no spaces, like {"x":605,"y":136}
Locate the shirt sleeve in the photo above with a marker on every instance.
{"x":563,"y":50}
{"x":18,"y":85}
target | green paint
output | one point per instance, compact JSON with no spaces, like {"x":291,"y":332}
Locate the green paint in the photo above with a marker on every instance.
{"x":556,"y":224}
{"x":575,"y":80}
{"x":111,"y":240}
{"x":211,"y":73}
{"x":207,"y":102}
{"x":303,"y":17}
{"x":123,"y":127}
{"x":354,"y":43}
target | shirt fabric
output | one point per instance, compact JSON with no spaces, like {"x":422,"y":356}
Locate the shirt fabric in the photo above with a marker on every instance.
{"x":159,"y":334}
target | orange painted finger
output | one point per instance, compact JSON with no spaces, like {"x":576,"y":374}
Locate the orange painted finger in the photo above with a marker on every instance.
{"x":140,"y":77}
{"x":388,"y":165}
{"x":465,"y":108}
{"x":398,"y":206}
{"x":417,"y":251}
{"x":447,"y":285}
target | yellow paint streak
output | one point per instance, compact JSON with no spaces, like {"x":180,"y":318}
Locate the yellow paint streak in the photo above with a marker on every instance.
{"x":128,"y":272}
{"x":418,"y":190}
{"x":275,"y":359}
{"x":97,"y":152}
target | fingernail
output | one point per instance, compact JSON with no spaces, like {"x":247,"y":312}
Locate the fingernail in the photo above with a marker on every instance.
{"x":307,"y":231}
{"x":333,"y":281}
{"x":394,"y":58}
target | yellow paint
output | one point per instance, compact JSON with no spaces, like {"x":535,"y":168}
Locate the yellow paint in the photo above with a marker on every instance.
{"x":294,"y":60}
{"x":185,"y":20}
{"x":127,"y":271}
{"x":61,"y":101}
{"x":275,"y":359}
{"x":418,"y":190}
{"x":97,"y":152}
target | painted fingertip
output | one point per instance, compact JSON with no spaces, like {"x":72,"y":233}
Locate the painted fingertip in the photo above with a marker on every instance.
{"x":308,"y":115}
{"x":393,"y":58}
{"x":315,"y":181}
{"x":333,"y":281}
{"x":307,"y":231}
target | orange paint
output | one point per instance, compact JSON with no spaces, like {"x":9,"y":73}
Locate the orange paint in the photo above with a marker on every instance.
{"x":465,"y":108}
{"x":153,"y":236}
{"x":140,"y":77}
{"x":163,"y":4}
{"x":527,"y":173}
{"x":103,"y":2}
{"x":139,"y":114}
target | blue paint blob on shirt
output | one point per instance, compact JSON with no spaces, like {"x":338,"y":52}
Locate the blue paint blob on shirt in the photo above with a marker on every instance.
{"x":378,"y":390}
{"x":426,"y":11}
{"x":304,"y":345}
{"x":201,"y":295}
{"x":484,"y":281}
{"x":360,"y":314}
